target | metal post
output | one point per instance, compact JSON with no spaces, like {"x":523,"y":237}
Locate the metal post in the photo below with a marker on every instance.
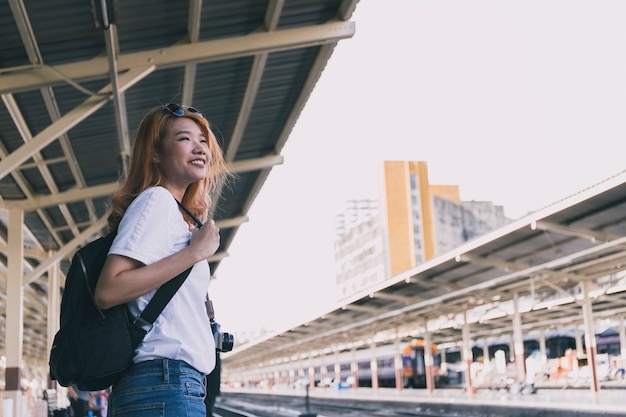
{"x":307,"y":413}
{"x":590,"y":338}
{"x":467,"y":355}
{"x":518,"y":341}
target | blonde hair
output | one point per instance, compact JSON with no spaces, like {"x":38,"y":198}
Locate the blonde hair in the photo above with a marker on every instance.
{"x":143,"y":172}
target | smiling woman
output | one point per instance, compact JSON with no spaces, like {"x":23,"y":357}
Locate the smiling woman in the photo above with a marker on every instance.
{"x":175,"y":157}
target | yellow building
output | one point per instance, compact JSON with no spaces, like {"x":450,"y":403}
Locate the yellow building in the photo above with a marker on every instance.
{"x":416,"y":222}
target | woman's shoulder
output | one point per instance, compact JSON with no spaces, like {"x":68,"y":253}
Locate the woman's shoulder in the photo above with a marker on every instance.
{"x":156,"y":192}
{"x":154,"y":196}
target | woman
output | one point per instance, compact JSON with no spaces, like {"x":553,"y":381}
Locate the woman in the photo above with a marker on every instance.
{"x":175,"y":157}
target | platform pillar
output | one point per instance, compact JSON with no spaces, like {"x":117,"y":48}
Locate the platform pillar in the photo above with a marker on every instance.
{"x":622,"y":339}
{"x":518,"y":341}
{"x":590,"y":338}
{"x":14,"y":336}
{"x":354,"y":368}
{"x":542,"y":347}
{"x":374,"y":368}
{"x":467,"y":355}
{"x":398,"y":365}
{"x":429,"y":361}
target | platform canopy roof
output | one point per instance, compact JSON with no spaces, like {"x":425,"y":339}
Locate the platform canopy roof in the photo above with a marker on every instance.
{"x":544,"y":263}
{"x":76,"y":76}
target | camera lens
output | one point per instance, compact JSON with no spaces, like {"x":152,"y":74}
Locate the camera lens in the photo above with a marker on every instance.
{"x":228,"y":342}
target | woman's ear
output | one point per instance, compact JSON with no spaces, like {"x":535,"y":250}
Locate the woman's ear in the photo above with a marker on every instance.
{"x":155,"y":158}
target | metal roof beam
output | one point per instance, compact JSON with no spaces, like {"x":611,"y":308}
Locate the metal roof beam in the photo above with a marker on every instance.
{"x":252,"y":87}
{"x":20,"y":79}
{"x":49,"y":134}
{"x":361,"y":309}
{"x":68,"y":121}
{"x":193,"y":32}
{"x":68,"y":151}
{"x":32,"y":253}
{"x":272,"y":14}
{"x":592,"y":235}
{"x":346,"y":8}
{"x":26,"y":135}
{"x":231,"y":222}
{"x":392,"y":297}
{"x":72,"y":195}
{"x":18,"y":9}
{"x":119,"y":99}
{"x":255,"y":164}
{"x":481,"y":260}
{"x":218,"y":256}
{"x":22,"y":184}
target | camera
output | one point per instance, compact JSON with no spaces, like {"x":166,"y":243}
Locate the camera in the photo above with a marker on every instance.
{"x":223,"y":341}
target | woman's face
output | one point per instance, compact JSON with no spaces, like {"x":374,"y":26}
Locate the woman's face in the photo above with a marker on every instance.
{"x":184,"y":155}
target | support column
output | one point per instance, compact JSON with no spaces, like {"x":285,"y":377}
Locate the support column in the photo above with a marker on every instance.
{"x":518,"y":341}
{"x":580,"y":351}
{"x":429,"y":361}
{"x":590,"y":338}
{"x":443,"y":362}
{"x":337,"y":368}
{"x":354,"y":369}
{"x":398,"y":365}
{"x":542,"y":348}
{"x":467,"y":355}
{"x":14,"y":336}
{"x":54,"y":305}
{"x":374,"y":368}
{"x":622,"y":339}
{"x":292,"y":376}
{"x":323,"y":371}
{"x":311,"y":375}
{"x":485,"y":352}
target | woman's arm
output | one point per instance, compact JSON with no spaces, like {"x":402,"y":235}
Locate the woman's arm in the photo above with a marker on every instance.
{"x":124,"y":279}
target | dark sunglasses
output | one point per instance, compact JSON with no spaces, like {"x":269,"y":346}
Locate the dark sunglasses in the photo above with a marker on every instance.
{"x":178,"y":110}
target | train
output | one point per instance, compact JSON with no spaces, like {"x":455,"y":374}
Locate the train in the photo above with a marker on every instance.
{"x":447,"y":367}
{"x":412,"y":372}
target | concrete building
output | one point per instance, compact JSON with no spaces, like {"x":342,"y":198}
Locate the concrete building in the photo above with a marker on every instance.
{"x":416,"y":222}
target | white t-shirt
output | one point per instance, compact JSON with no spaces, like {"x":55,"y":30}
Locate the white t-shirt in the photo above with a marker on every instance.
{"x":151,"y":229}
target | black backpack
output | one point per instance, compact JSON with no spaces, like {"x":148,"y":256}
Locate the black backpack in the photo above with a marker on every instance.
{"x":93,"y":348}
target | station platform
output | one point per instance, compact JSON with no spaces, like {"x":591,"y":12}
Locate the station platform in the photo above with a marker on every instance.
{"x":554,"y":401}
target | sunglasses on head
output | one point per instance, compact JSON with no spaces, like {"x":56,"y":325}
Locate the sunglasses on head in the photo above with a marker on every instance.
{"x":178,"y":110}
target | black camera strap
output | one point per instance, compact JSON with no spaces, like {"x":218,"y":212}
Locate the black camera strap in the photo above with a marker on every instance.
{"x":190,"y":214}
{"x":209,"y":308}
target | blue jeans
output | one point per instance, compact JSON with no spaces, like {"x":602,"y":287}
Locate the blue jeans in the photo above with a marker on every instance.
{"x":159,"y":388}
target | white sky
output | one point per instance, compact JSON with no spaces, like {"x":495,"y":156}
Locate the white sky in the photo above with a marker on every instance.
{"x":519,"y":102}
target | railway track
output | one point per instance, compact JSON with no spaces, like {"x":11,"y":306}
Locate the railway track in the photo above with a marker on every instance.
{"x":248,"y":405}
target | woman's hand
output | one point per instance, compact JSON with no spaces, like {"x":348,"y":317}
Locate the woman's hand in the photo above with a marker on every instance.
{"x":205,"y":240}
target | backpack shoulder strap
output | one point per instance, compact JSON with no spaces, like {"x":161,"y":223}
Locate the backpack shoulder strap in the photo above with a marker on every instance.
{"x":158,"y":302}
{"x":164,"y":294}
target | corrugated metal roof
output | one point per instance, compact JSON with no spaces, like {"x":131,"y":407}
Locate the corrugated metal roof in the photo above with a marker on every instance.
{"x":248,"y":65}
